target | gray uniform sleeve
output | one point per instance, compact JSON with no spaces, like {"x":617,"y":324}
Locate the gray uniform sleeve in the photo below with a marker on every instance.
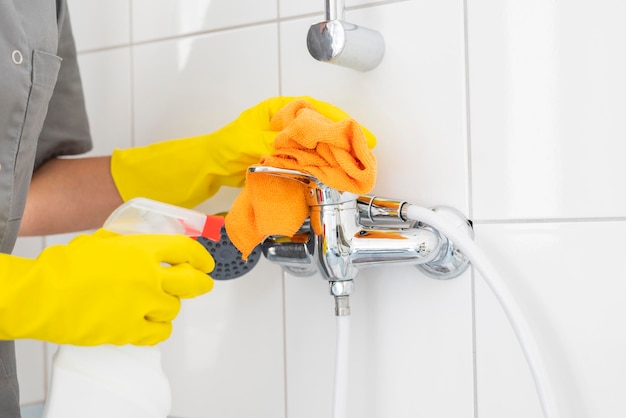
{"x":66,"y":128}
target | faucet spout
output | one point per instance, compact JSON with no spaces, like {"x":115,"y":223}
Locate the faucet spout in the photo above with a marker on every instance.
{"x":374,"y":247}
{"x":344,"y":245}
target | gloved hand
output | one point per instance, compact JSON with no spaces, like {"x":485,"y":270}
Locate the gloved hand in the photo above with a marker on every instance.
{"x":185,"y":172}
{"x":102,"y":289}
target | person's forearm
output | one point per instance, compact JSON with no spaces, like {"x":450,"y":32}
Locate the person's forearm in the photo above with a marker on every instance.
{"x":68,"y":195}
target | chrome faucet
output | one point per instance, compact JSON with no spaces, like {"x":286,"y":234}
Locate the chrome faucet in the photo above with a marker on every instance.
{"x":338,"y":42}
{"x":346,"y":233}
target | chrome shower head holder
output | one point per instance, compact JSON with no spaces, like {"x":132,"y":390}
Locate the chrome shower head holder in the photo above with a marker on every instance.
{"x":346,"y":232}
{"x":345,"y":44}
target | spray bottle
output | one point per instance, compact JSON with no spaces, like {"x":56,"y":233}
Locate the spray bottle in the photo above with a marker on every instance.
{"x":128,"y":381}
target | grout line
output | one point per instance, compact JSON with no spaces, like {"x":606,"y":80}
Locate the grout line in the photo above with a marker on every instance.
{"x":285,"y":374}
{"x":284,"y":299}
{"x":547,"y":220}
{"x":103,"y":49}
{"x":230,"y":28}
{"x":184,"y":35}
{"x":279,"y":55}
{"x":46,"y":375}
{"x":132,"y":74}
{"x":375,"y":4}
{"x":470,"y":203}
{"x":285,"y":363}
{"x":32,"y":404}
{"x":474,"y":345}
{"x":468,"y":122}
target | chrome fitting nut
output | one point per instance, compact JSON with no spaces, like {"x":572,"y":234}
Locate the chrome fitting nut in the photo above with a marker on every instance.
{"x":341,"y":288}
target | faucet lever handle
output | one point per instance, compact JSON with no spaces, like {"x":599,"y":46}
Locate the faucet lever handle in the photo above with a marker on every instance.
{"x":318,"y":192}
{"x":287,"y":173}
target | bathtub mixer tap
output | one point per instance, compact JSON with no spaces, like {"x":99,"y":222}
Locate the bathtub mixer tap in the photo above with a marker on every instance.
{"x":346,"y":232}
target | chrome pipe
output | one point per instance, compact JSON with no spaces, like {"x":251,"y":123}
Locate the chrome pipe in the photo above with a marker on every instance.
{"x":335,"y":9}
{"x":344,"y":246}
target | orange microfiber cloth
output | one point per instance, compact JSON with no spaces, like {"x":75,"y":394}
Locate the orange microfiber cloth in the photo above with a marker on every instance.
{"x":336,"y":153}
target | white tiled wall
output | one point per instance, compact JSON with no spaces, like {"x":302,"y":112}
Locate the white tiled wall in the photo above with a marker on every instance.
{"x":154,"y":19}
{"x":508,"y":111}
{"x":546,"y":100}
{"x":30,"y":354}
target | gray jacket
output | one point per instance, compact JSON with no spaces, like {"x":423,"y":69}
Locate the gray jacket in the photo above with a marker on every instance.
{"x":42,"y":115}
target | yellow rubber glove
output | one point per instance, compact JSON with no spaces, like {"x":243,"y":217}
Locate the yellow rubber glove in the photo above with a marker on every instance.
{"x":185,"y":172}
{"x":102,"y":289}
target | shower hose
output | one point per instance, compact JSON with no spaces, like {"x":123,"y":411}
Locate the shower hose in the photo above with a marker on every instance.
{"x":497,"y":286}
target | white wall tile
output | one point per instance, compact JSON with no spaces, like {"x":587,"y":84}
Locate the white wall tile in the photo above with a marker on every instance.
{"x":98,"y":24}
{"x":30,"y":353}
{"x":107,"y":87}
{"x":196,"y":85}
{"x":30,"y":357}
{"x":60,"y":239}
{"x":571,"y":293}
{"x":155,"y":19}
{"x":410,"y":346}
{"x":225,"y":356}
{"x":290,"y":8}
{"x":546,"y":102}
{"x":357,"y":3}
{"x":35,"y":411}
{"x":29,"y":247}
{"x":413,"y":101}
{"x":50,"y":351}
